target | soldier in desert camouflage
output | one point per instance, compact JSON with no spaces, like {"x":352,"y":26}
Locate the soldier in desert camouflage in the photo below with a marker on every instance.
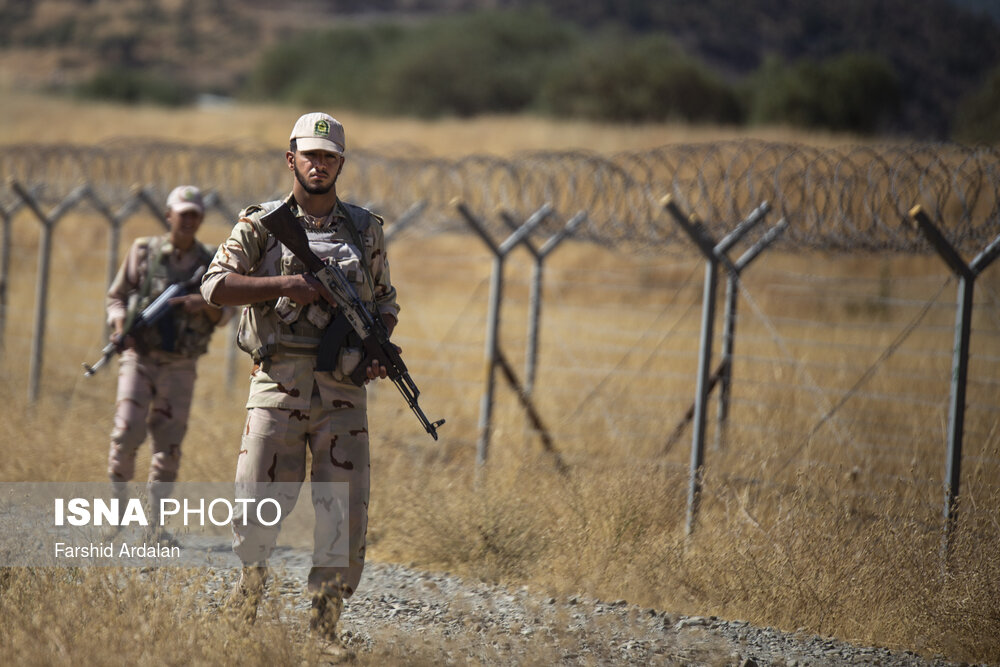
{"x":294,"y":405}
{"x":157,"y":368}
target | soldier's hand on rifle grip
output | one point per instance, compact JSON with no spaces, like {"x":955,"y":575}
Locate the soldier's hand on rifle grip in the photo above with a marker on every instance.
{"x":377,"y":370}
{"x":119,"y":339}
{"x":304,"y":288}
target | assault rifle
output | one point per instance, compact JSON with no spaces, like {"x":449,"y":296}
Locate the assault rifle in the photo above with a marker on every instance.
{"x":370,"y":328}
{"x":148,"y":317}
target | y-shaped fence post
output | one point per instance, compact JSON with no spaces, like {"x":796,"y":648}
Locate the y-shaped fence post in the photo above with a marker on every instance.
{"x":406,"y":219}
{"x":214,"y":200}
{"x":115,"y":221}
{"x":500,"y":252}
{"x":531,"y":354}
{"x":729,"y":321}
{"x":48,"y":223}
{"x":715,"y":254}
{"x":7,"y":214}
{"x":967,"y":274}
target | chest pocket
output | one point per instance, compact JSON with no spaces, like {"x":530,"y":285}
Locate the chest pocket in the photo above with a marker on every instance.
{"x":304,"y":325}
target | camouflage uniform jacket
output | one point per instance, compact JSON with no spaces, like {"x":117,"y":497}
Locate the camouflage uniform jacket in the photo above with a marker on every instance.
{"x":151,"y":265}
{"x":282,"y":337}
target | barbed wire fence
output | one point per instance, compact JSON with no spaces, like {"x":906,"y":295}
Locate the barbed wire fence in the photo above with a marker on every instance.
{"x":824,"y":362}
{"x":846,"y":198}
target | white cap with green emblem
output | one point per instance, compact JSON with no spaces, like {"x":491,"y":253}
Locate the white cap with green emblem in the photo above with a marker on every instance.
{"x":319,"y":132}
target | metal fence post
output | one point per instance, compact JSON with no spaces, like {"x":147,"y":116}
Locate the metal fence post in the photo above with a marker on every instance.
{"x":48,"y":223}
{"x":715,"y":254}
{"x":729,"y":324}
{"x":115,"y":222}
{"x":500,"y":252}
{"x":214,"y":199}
{"x":406,"y":219}
{"x":7,"y":216}
{"x":535,"y":298}
{"x":966,"y":274}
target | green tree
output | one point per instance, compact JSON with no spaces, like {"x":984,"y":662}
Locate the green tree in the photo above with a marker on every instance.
{"x":484,"y":62}
{"x":132,"y":86}
{"x":978,"y":116}
{"x":648,"y":79}
{"x":852,"y":92}
{"x":339,"y":67}
{"x":462,"y":65}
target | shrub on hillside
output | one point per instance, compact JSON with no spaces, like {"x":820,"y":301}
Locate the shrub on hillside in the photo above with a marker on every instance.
{"x":647,"y":80}
{"x":978,"y":117}
{"x":339,"y":67}
{"x":481,"y":63}
{"x":511,"y":61}
{"x":852,"y":92}
{"x":120,"y":84}
{"x":462,"y":65}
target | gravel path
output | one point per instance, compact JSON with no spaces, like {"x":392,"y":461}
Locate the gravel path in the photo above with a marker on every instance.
{"x":451,"y":620}
{"x":494,"y":622}
{"x":402,"y":615}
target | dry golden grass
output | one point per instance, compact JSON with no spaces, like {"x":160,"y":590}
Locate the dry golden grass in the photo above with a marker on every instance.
{"x":31,"y":118}
{"x":844,"y":554}
{"x":106,"y":616}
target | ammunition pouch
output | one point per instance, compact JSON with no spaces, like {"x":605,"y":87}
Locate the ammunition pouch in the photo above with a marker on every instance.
{"x":257,"y":334}
{"x":283,"y":327}
{"x":340,"y":351}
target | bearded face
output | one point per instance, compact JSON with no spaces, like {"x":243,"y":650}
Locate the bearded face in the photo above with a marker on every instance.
{"x":316,"y":171}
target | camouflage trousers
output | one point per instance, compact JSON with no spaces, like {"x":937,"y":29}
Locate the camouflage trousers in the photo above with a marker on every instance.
{"x":154,"y":397}
{"x":274,"y":446}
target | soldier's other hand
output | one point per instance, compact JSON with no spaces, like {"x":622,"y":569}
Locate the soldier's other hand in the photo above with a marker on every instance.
{"x":304,"y":289}
{"x":191,"y":303}
{"x":121,"y":341}
{"x":376,"y":371}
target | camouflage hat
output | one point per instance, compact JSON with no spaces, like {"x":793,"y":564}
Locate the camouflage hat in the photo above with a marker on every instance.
{"x":319,"y":132}
{"x":185,"y":198}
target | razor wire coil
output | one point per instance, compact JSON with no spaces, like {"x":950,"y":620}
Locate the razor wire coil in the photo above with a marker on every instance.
{"x":850,"y":198}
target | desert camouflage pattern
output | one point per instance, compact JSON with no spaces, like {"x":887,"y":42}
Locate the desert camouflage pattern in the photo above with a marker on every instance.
{"x":193,"y":331}
{"x":334,"y":428}
{"x":154,"y":398}
{"x":155,"y":385}
{"x":279,"y":329}
{"x":291,"y":406}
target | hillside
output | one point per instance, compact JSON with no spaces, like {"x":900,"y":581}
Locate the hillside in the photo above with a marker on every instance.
{"x":940,"y":51}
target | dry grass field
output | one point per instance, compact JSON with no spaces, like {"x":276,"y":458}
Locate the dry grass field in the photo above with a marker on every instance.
{"x":803,"y":524}
{"x":32,"y":118}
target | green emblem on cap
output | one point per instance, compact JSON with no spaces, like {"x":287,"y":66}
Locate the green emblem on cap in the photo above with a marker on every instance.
{"x":188,"y":194}
{"x":321,"y":128}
